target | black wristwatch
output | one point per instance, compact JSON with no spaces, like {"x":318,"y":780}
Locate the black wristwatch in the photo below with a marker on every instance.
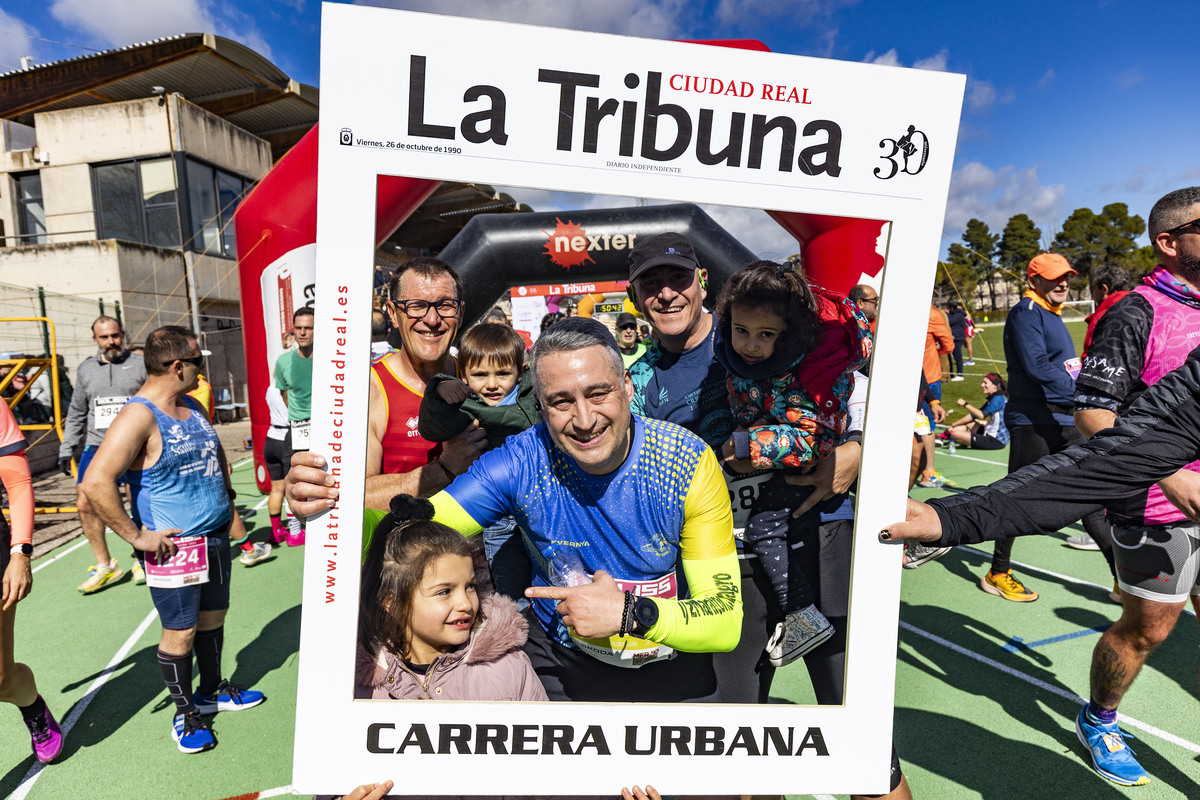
{"x":24,"y":549}
{"x":645,"y":614}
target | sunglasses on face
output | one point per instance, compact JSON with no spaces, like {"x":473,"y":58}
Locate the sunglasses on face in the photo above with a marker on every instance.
{"x":1178,"y":229}
{"x":195,"y":361}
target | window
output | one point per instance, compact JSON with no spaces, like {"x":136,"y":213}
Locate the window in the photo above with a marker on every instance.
{"x":139,"y":201}
{"x":136,"y":201}
{"x":31,"y":213}
{"x":213,"y":195}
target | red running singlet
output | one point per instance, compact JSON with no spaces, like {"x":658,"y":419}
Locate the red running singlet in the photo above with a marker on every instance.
{"x":404,"y":449}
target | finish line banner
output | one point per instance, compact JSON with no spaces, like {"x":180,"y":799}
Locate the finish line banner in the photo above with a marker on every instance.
{"x":406,"y":94}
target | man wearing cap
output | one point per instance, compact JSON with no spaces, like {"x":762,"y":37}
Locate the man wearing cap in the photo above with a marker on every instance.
{"x":631,"y":346}
{"x":1041,"y":385}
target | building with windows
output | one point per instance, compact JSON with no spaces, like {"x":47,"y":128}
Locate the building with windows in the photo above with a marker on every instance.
{"x":119,"y":176}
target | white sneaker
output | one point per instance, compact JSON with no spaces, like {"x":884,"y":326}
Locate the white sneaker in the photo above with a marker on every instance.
{"x":957,"y":378}
{"x":259,"y":552}
{"x":800,"y":632}
{"x":1082,"y":542}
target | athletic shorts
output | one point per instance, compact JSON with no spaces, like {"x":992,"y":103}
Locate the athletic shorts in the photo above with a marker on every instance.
{"x":85,"y":458}
{"x":981,"y":441}
{"x":179,"y":609}
{"x":921,"y":425}
{"x":1158,"y":562}
{"x":277,"y":456}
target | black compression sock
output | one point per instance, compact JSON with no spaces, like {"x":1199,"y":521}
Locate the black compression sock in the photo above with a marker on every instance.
{"x":208,"y":658}
{"x":177,"y":675}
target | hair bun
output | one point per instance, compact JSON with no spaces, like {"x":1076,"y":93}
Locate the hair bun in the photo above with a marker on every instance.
{"x":405,"y":507}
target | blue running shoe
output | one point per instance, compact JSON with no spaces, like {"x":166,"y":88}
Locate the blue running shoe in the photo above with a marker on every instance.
{"x":1111,"y":757}
{"x":227,"y":697}
{"x":192,"y":733}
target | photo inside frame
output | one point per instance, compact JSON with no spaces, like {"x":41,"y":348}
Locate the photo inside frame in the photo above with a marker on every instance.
{"x":528,"y":257}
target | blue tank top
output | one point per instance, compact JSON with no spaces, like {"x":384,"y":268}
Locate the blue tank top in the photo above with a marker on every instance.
{"x":185,"y":488}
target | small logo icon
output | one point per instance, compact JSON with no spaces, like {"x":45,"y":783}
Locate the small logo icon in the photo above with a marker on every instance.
{"x":346,"y":136}
{"x":413,"y":422}
{"x":909,"y":154}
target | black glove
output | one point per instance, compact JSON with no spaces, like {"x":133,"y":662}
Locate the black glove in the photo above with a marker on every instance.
{"x":65,"y":465}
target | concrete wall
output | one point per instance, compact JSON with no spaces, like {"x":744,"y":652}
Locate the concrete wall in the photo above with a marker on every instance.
{"x":213,"y":139}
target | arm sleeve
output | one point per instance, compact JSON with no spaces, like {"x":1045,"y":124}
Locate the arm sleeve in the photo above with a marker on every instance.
{"x":280,"y":379}
{"x":440,"y":420}
{"x":480,"y":496}
{"x":75,"y":427}
{"x":941,"y":332}
{"x":710,"y":620}
{"x":1031,"y":344}
{"x":14,"y":473}
{"x":993,"y":405}
{"x":1157,"y":436}
{"x":783,"y":446}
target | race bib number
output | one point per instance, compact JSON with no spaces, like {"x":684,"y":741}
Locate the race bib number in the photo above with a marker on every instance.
{"x":1073,"y":366}
{"x":188,"y":567}
{"x":300,"y":434}
{"x":743,"y":491}
{"x":106,"y":409}
{"x":630,"y":651}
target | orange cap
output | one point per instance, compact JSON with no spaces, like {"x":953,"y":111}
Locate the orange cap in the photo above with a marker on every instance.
{"x":1050,"y":266}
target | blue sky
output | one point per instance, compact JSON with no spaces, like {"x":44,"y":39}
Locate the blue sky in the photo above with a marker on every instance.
{"x":1075,"y":103}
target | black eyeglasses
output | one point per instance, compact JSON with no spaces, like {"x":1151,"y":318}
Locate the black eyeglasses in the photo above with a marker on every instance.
{"x":1178,"y":229}
{"x":195,"y":361}
{"x":417,"y":309}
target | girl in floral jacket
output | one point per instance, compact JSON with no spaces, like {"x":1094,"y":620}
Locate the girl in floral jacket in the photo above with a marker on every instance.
{"x":791,"y":351}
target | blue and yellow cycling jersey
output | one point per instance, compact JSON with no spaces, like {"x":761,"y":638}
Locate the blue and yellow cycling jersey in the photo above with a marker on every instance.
{"x":666,"y":507}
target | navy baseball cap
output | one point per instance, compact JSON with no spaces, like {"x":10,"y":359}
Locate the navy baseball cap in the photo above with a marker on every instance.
{"x":665,"y":248}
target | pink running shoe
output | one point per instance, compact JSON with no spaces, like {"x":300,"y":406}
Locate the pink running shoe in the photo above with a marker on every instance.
{"x":297,"y":540}
{"x":47,"y":736}
{"x":279,"y":532}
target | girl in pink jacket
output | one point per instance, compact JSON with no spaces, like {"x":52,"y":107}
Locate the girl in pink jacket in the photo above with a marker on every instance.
{"x":424,"y":633}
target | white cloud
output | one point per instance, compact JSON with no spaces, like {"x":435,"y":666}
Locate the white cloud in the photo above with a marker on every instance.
{"x":648,"y":18}
{"x":1046,"y":80}
{"x":936,"y":62}
{"x":889,"y":59}
{"x":115,"y":23}
{"x":15,"y":41}
{"x":977,"y":191}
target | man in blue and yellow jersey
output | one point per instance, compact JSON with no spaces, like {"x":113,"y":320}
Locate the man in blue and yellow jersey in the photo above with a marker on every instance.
{"x":629,"y":523}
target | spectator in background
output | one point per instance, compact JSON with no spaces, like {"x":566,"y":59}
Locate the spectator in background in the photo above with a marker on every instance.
{"x":1041,"y":385}
{"x":379,"y":334}
{"x":630,"y":345}
{"x":496,"y":314}
{"x":867,"y":300}
{"x":938,"y":342}
{"x":956,"y":317}
{"x":550,"y":319}
{"x":1108,"y":285}
{"x":981,"y":428}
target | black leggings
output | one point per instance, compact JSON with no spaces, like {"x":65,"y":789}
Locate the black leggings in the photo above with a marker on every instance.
{"x":1028,"y":444}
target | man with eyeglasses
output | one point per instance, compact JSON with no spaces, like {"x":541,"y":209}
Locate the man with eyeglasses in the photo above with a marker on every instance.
{"x":1145,"y":335}
{"x":182,"y":507}
{"x":426,"y":311}
{"x":293,"y":379}
{"x":103,"y":383}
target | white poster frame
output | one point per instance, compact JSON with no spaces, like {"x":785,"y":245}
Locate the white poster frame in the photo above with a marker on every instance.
{"x":368,"y":81}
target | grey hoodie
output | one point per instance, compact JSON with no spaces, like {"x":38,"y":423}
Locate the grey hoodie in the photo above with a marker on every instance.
{"x":94,"y":379}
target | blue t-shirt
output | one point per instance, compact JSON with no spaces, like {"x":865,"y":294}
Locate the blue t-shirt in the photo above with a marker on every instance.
{"x":994,"y":409}
{"x":185,"y":488}
{"x":1037,"y":346}
{"x":686,"y":388}
{"x":628,"y":523}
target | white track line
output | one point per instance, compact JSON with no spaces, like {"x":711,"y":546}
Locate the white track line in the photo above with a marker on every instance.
{"x":276,"y":792}
{"x":69,"y":550}
{"x":35,"y":771}
{"x":1125,"y":719}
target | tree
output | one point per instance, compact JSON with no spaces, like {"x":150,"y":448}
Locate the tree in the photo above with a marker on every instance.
{"x":957,"y":276}
{"x":1089,"y":240}
{"x":1019,"y":243}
